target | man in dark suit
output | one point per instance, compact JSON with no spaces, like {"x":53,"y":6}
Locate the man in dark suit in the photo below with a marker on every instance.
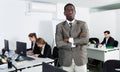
{"x":71,"y":40}
{"x":108,"y":40}
{"x":44,"y":48}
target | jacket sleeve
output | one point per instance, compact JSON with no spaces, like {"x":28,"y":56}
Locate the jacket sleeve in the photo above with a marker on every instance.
{"x":103,"y":42}
{"x":59,"y":38}
{"x":48,"y":51}
{"x":82,"y":40}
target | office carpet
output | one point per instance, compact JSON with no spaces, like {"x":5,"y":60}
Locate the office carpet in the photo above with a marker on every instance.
{"x":97,"y":68}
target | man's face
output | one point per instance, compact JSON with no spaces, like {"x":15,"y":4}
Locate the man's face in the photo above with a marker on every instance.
{"x":106,"y":35}
{"x":70,"y":13}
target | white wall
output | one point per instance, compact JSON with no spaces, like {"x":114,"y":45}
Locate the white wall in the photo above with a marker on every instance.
{"x":118,"y":25}
{"x":81,"y":13}
{"x":16,"y":22}
{"x":101,"y":21}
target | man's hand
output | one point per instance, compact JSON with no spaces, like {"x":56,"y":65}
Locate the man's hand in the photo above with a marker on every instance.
{"x":36,"y":55}
{"x":66,"y":39}
{"x":82,"y":35}
{"x":100,"y":45}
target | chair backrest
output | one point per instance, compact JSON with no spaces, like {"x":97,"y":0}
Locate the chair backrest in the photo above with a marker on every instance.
{"x":49,"y":68}
{"x":55,"y":56}
{"x":115,"y":43}
{"x":111,"y":66}
{"x":55,"y":52}
{"x":94,"y":39}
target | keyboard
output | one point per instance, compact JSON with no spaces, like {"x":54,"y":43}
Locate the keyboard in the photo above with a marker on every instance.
{"x":28,"y":58}
{"x":23,"y":58}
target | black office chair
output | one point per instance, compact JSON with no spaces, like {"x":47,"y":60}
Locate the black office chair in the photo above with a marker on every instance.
{"x":94,"y":39}
{"x":55,"y":56}
{"x":111,"y":66}
{"x":115,"y":43}
{"x":49,"y":68}
{"x":55,"y":53}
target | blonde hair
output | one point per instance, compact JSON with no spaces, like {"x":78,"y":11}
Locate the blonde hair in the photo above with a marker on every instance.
{"x":40,"y":41}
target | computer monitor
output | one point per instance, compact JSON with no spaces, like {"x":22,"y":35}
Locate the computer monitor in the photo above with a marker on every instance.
{"x":6,"y":47}
{"x":21,"y":48}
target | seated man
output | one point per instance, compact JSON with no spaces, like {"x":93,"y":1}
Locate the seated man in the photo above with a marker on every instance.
{"x":44,"y":48}
{"x":108,"y":40}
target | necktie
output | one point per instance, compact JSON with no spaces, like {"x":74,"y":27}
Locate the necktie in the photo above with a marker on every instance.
{"x":70,"y":25}
{"x":70,"y":28}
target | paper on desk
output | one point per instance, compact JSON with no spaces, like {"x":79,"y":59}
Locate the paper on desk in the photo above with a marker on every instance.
{"x":3,"y":66}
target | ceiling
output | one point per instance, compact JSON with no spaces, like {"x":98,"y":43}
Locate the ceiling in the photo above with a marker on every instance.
{"x":82,"y":3}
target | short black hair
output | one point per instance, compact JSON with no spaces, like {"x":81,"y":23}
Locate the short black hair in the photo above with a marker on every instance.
{"x":108,"y":32}
{"x":69,"y":4}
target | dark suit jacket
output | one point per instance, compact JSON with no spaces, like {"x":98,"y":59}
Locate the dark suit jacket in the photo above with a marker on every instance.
{"x":47,"y":51}
{"x":66,"y":53}
{"x":35,"y":49}
{"x":110,"y":42}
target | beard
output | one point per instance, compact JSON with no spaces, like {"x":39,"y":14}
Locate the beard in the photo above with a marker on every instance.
{"x":70,"y":18}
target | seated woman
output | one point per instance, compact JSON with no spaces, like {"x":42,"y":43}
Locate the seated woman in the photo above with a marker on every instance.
{"x":34,"y":48}
{"x":44,"y":48}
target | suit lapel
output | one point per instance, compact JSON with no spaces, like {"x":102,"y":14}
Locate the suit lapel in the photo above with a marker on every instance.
{"x":74,"y":26}
{"x":70,"y":31}
{"x":74,"y":29}
{"x":66,"y":25}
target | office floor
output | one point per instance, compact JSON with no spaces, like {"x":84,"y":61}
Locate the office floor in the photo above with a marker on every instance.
{"x":97,"y":68}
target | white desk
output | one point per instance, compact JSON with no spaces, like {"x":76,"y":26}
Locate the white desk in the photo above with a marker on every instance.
{"x":4,"y":68}
{"x":103,"y":54}
{"x":29,"y":64}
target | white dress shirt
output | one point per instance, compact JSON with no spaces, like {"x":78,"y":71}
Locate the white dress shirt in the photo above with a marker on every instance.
{"x":71,"y":38}
{"x":42,"y":51}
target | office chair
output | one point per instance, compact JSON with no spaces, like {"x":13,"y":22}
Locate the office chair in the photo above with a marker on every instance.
{"x":49,"y":68}
{"x":94,"y":39}
{"x":111,"y":66}
{"x":55,"y":56}
{"x":115,"y":43}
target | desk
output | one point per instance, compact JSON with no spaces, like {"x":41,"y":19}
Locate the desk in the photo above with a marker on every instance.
{"x":4,"y":68}
{"x":28,"y":64}
{"x":33,"y":63}
{"x":103,"y":54}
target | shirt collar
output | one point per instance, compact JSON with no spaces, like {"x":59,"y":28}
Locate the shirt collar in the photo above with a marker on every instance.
{"x":108,"y":37}
{"x":70,"y":21}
